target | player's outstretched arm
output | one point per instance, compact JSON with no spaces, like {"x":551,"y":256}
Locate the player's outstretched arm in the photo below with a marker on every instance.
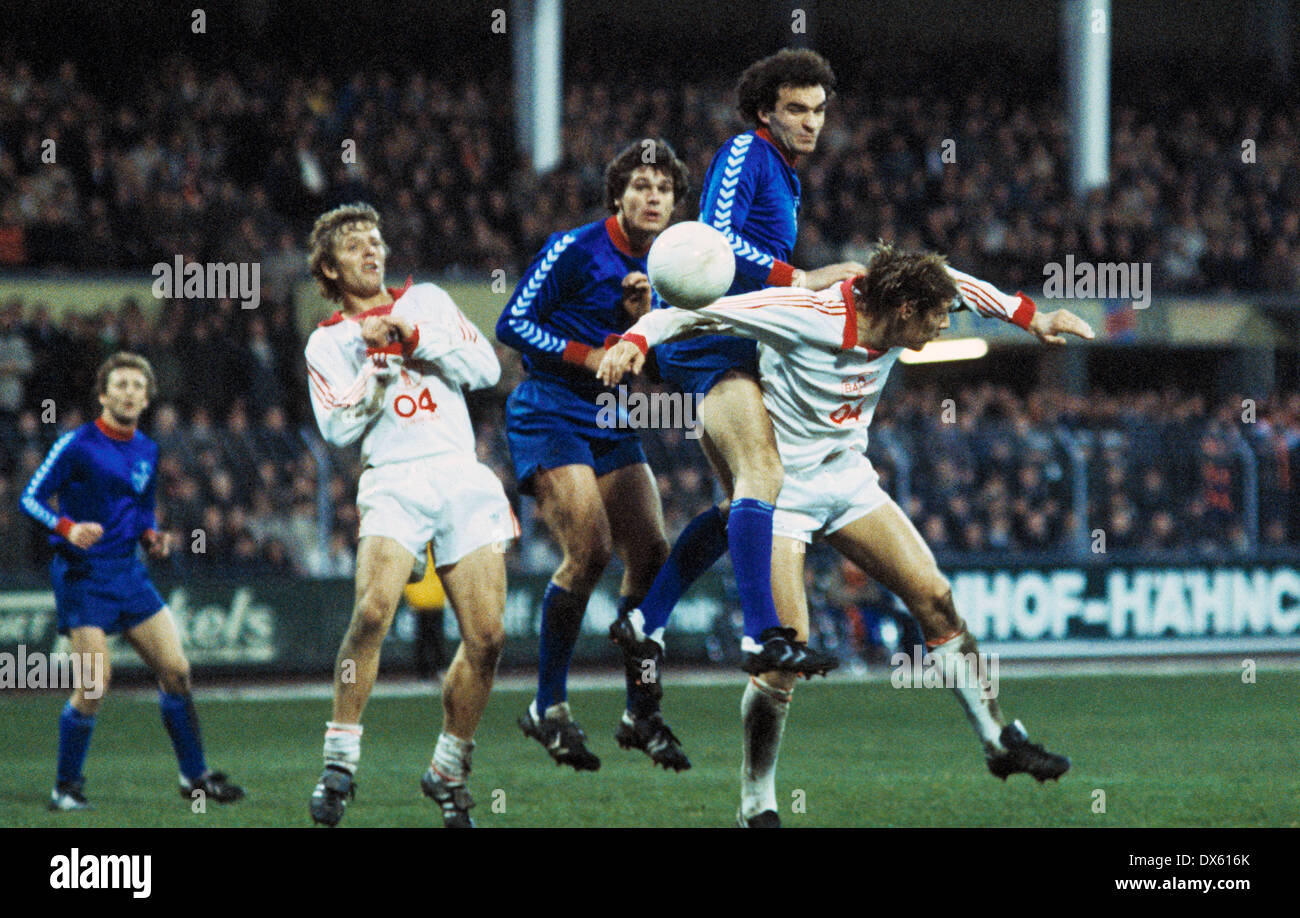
{"x":827,"y":276}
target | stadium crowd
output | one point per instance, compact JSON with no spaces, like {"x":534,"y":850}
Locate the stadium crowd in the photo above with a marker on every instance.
{"x":229,"y":167}
{"x":242,"y":462}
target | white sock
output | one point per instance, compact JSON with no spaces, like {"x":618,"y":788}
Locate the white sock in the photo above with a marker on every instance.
{"x":451,"y":757}
{"x":343,"y":746}
{"x":763,"y":710}
{"x":970,"y":693}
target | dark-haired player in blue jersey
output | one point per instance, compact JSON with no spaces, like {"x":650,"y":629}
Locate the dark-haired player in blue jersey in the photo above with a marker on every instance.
{"x":751,"y":193}
{"x":104,"y":474}
{"x":591,"y":481}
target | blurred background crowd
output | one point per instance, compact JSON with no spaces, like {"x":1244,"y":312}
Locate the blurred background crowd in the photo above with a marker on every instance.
{"x":224,"y":167}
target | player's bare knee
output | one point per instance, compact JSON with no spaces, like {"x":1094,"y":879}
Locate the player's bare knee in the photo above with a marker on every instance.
{"x":587,"y":561}
{"x":368,"y":620}
{"x":175,"y":680}
{"x":483,"y":646}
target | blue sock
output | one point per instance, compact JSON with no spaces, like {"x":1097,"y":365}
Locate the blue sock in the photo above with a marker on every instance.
{"x":640,"y":701}
{"x":698,"y":548}
{"x":561,"y":621}
{"x":749,"y":535}
{"x":74,"y":742}
{"x":182,"y":725}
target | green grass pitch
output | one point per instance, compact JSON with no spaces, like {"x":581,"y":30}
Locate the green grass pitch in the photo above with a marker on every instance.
{"x":1188,"y":750}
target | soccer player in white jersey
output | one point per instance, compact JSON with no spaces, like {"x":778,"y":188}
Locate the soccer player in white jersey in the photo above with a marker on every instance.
{"x":823,"y":359}
{"x":388,"y":369}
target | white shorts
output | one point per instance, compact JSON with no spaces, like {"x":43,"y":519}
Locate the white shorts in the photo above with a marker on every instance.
{"x":452,"y":504}
{"x":818,"y":501}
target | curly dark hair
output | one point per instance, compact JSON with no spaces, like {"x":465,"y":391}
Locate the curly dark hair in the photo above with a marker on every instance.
{"x":656,"y":153}
{"x":894,"y":278}
{"x":761,"y":82}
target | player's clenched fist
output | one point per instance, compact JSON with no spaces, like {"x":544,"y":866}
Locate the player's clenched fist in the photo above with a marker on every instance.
{"x":636,"y":295}
{"x":1049,"y":327}
{"x":622,"y":358}
{"x":380,"y":331}
{"x":84,"y":535}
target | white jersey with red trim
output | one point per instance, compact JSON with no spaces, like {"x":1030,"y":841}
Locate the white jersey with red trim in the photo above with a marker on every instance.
{"x":819,"y":386}
{"x":404,"y":402}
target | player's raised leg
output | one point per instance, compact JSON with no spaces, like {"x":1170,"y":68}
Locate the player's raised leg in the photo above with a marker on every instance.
{"x":158,"y":643}
{"x":383,"y":568}
{"x":636,"y":523}
{"x":476,"y":587}
{"x":89,"y":647}
{"x":569,"y":501}
{"x":766,"y":702}
{"x":886,"y":545}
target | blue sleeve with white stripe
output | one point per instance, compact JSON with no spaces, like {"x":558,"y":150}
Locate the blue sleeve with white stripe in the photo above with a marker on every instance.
{"x":734,"y":176}
{"x":547,"y":282}
{"x":49,"y":477}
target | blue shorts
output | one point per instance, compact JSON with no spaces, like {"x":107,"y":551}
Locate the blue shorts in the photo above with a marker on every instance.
{"x":113,"y":594}
{"x":696,"y":364}
{"x":549,"y":425}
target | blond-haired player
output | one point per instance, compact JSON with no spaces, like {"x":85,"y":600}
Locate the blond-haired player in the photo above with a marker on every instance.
{"x":388,"y":369}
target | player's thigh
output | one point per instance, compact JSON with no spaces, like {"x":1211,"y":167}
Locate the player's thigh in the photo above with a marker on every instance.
{"x":719,"y":465}
{"x":739,"y":429}
{"x":158,"y":642}
{"x":384,"y":566}
{"x":788,"y":592}
{"x":88,"y":639}
{"x":887,"y":547}
{"x":569,"y":501}
{"x":476,"y":589}
{"x":635,"y":514}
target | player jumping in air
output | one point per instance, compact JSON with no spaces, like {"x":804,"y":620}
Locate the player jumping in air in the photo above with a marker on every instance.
{"x":104,"y":475}
{"x":591,"y":481}
{"x":824,"y":358}
{"x":388,"y":369}
{"x":751,"y":194}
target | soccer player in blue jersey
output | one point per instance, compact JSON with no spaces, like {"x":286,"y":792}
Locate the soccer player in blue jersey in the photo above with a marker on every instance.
{"x":751,"y":193}
{"x":591,"y":481}
{"x":104,"y":474}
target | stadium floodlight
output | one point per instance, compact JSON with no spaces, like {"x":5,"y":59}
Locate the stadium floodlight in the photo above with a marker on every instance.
{"x":951,"y":349}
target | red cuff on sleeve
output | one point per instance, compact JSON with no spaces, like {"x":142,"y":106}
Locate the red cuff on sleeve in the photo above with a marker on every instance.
{"x":638,"y":340}
{"x":576,"y":352}
{"x":781,"y":275}
{"x":413,"y":339}
{"x":64,"y":526}
{"x":1024,"y":313}
{"x":147,"y":536}
{"x":392,"y":347}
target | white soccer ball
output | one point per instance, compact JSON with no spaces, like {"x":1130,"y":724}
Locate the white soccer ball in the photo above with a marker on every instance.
{"x":691,"y":264}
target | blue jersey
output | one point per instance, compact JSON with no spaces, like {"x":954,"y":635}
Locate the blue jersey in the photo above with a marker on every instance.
{"x":569,"y":301}
{"x":751,"y":194}
{"x":102,"y":477}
